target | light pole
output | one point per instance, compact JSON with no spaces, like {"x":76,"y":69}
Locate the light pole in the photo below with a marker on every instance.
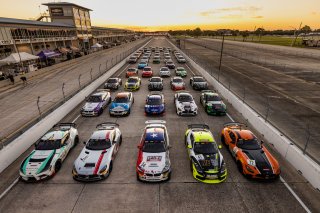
{"x":221,"y":52}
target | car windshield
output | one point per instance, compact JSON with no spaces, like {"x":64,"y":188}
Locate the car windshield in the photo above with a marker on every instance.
{"x":48,"y":144}
{"x":112,"y":80}
{"x":147,"y":69}
{"x":180,"y":69}
{"x":98,"y":144}
{"x":185,"y":98}
{"x":155,"y":79}
{"x":251,"y":144}
{"x":198,"y":80}
{"x":94,"y":99}
{"x":205,"y":148}
{"x":154,"y":101}
{"x":164,"y":69}
{"x":121,"y":100}
{"x":133,"y":57}
{"x":143,"y":62}
{"x":131,"y":70}
{"x":177,"y":80}
{"x":132,"y":80}
{"x":153,"y":146}
{"x":213,"y":98}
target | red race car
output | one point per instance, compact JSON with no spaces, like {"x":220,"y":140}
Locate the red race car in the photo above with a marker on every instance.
{"x":147,"y":72}
{"x":177,"y":83}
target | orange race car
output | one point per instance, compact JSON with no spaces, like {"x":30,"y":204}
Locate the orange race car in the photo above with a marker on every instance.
{"x":252,"y":157}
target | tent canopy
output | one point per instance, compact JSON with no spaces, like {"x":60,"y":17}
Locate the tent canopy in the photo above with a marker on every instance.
{"x":47,"y":54}
{"x":15,"y":58}
{"x":97,"y":45}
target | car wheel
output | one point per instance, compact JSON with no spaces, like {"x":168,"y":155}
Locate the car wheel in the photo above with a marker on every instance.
{"x":223,"y":140}
{"x":239,"y":165}
{"x":76,"y":141}
{"x":110,"y":167}
{"x":191,"y":166}
{"x":138,"y":179}
{"x":101,"y":111}
{"x":169,"y":177}
{"x":120,"y":141}
{"x":57,"y":166}
{"x":129,"y":111}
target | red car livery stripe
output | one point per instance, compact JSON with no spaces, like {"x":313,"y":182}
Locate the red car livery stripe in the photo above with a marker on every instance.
{"x":98,"y":163}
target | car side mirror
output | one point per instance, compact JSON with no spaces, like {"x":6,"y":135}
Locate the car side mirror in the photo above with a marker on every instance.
{"x":220,"y":147}
{"x":189,"y":147}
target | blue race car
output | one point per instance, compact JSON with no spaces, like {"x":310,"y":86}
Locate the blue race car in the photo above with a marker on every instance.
{"x":154,"y":104}
{"x":142,"y":64}
{"x":121,"y":105}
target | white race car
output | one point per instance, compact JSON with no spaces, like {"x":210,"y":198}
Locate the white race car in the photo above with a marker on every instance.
{"x":153,"y":164}
{"x":185,"y":104}
{"x":50,"y":151}
{"x":96,"y":158}
{"x":96,"y":103}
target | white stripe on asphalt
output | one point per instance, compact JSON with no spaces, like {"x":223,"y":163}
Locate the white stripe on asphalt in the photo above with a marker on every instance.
{"x":286,"y":184}
{"x":123,"y":70}
{"x":9,"y":188}
{"x":190,"y":69}
{"x":76,"y":119}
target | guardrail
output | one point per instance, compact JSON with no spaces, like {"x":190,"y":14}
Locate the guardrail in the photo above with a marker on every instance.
{"x":303,"y":163}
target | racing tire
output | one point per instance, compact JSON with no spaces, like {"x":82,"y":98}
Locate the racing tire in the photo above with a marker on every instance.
{"x":76,"y":141}
{"x":120,"y":141}
{"x":137,"y":176}
{"x":223,"y":140}
{"x":191,"y":166}
{"x":169,"y":177}
{"x":100,"y":112}
{"x":239,"y":165}
{"x":57,"y":166}
{"x":129,"y":111}
{"x":110,"y":167}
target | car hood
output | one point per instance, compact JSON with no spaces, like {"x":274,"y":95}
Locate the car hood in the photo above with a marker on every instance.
{"x":259,"y":159}
{"x":209,"y":161}
{"x":91,"y":162}
{"x":120,"y":106}
{"x":37,"y":161}
{"x":153,"y":162}
{"x":177,"y":84}
{"x":132,"y":84}
{"x":91,"y":106}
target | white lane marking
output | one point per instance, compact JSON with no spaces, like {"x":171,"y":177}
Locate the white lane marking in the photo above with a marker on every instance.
{"x":286,"y":184}
{"x":295,"y":195}
{"x":190,"y":69}
{"x":123,"y":70}
{"x":76,"y":119}
{"x":9,"y":188}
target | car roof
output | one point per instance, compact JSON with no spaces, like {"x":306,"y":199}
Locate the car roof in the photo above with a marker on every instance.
{"x":184,"y":93}
{"x":154,"y":134}
{"x":203,"y":136}
{"x":122,"y":94}
{"x":102,"y":134}
{"x":133,"y":77}
{"x":155,"y":96}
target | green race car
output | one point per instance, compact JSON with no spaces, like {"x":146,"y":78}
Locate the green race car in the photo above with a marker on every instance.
{"x":206,"y":161}
{"x":132,"y":84}
{"x":212,"y":103}
{"x":156,"y":60}
{"x":181,"y":71}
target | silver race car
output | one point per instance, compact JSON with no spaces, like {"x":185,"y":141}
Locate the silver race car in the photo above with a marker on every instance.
{"x":96,"y":158}
{"x":185,"y":104}
{"x":96,"y":103}
{"x":49,"y":153}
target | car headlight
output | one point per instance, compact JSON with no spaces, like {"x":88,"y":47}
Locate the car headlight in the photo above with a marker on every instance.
{"x":103,"y":170}
{"x":223,"y":167}
{"x":249,"y":169}
{"x":198,"y":167}
{"x":166,"y":167}
{"x":140,"y":169}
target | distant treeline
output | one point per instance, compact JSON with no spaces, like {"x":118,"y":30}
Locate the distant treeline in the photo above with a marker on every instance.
{"x":259,"y":31}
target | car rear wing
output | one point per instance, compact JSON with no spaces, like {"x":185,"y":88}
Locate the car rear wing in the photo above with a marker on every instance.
{"x":202,"y":91}
{"x":234,"y":124}
{"x":156,"y":93}
{"x":103,"y":90}
{"x":64,"y":126}
{"x":198,"y":126}
{"x":155,"y":122}
{"x":107,"y":125}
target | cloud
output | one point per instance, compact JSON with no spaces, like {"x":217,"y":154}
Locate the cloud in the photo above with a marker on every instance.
{"x":258,"y":17}
{"x":315,"y":13}
{"x":250,"y":10}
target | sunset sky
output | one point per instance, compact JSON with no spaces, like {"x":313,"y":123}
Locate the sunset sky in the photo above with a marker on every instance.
{"x":183,"y":14}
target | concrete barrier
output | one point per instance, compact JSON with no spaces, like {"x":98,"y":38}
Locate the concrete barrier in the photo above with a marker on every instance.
{"x":304,"y":164}
{"x":17,"y":147}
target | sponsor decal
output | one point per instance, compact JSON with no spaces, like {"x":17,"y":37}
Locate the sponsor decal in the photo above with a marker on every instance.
{"x":57,"y":12}
{"x":154,"y":158}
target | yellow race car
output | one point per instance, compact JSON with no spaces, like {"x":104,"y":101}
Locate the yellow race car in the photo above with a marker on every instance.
{"x":206,"y":161}
{"x":132,"y":84}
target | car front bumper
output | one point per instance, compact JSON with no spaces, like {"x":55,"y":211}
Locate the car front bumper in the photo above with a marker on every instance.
{"x":154,"y":177}
{"x":118,"y":113}
{"x":89,"y":113}
{"x":210,"y":177}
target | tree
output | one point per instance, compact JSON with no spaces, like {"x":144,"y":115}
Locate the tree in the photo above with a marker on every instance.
{"x":244,"y":34}
{"x":306,"y":29}
{"x":197,"y":32}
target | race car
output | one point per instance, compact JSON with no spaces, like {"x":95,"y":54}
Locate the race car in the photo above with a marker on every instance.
{"x":170,"y":64}
{"x":121,"y":105}
{"x":142,"y":64}
{"x":155,"y":104}
{"x":206,"y":161}
{"x":96,"y":103}
{"x":156,"y":60}
{"x":155,"y":84}
{"x":95,"y":161}
{"x":181,"y":71}
{"x":212,"y":103}
{"x":198,"y":83}
{"x":164,"y":72}
{"x":153,"y":164}
{"x":252,"y":157}
{"x":113,"y":83}
{"x":133,"y":59}
{"x":177,"y":83}
{"x":185,"y":104}
{"x":147,"y":72}
{"x":131,"y":72}
{"x":133,"y":83}
{"x":49,"y":153}
{"x":181,"y":59}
